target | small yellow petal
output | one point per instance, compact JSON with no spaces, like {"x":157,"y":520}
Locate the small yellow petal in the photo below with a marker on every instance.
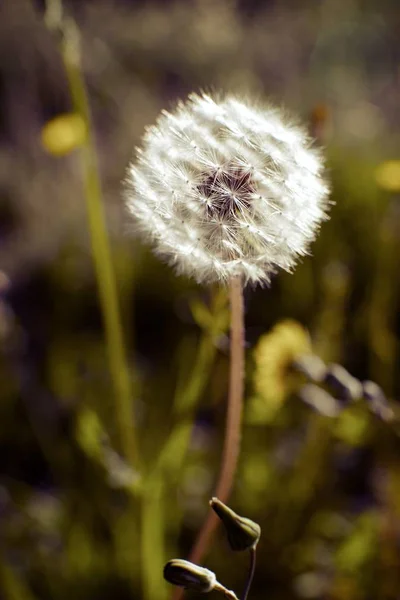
{"x":63,"y":134}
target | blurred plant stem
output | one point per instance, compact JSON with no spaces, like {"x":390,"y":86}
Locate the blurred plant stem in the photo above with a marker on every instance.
{"x":188,"y":391}
{"x":11,"y":586}
{"x":330,"y":321}
{"x":101,"y":251}
{"x":169,"y":463}
{"x":152,"y":539}
{"x":173,"y":452}
{"x":382,"y":306}
{"x":231,"y":449}
{"x":305,"y":480}
{"x":389,"y":555}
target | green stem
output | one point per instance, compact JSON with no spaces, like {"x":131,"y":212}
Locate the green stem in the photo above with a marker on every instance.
{"x":106,"y":280}
{"x":381,"y":316}
{"x":171,"y":459}
{"x":166,"y":470}
{"x":251,"y":573}
{"x":173,"y":452}
{"x":187,"y":394}
{"x":152,"y":539}
{"x":12,"y":586}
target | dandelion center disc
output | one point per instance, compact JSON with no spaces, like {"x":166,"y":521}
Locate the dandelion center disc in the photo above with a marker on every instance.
{"x":227,"y":191}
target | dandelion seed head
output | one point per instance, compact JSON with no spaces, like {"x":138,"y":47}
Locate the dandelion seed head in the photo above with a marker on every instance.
{"x":226,"y":189}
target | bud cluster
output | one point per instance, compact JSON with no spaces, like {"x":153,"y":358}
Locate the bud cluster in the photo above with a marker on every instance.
{"x":242,"y":533}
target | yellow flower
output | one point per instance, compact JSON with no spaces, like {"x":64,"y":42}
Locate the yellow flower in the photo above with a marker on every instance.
{"x":387,"y":175}
{"x":273,"y":380}
{"x":63,"y":134}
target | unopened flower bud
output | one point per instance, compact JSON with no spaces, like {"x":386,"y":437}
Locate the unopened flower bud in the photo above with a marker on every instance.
{"x":242,"y":532}
{"x":188,"y":575}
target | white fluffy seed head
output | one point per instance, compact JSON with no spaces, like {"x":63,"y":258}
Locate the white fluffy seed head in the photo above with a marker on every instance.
{"x":226,"y":189}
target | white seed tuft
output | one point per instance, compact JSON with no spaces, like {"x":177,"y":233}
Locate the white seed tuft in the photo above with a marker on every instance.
{"x":225,"y":189}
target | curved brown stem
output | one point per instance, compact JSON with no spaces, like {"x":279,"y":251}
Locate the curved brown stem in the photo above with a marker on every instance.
{"x":231,"y":447}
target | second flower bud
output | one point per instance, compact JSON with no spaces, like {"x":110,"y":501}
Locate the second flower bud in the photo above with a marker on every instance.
{"x":242,"y":533}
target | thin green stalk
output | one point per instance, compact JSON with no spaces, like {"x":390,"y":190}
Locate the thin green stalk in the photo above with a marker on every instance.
{"x":250,"y":575}
{"x":330,"y":322}
{"x":308,"y":472}
{"x":152,"y":539}
{"x":106,"y":280}
{"x":381,"y":315}
{"x":188,"y":393}
{"x":12,"y":586}
{"x":173,"y":452}
{"x":172,"y":455}
{"x":167,"y":468}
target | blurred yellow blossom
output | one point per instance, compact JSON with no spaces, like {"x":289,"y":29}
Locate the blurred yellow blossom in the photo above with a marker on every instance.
{"x":63,"y":134}
{"x":387,"y":175}
{"x":273,"y":379}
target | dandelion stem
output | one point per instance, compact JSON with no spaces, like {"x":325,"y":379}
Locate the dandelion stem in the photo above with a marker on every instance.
{"x":106,"y":281}
{"x":233,"y":420}
{"x":251,"y":573}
